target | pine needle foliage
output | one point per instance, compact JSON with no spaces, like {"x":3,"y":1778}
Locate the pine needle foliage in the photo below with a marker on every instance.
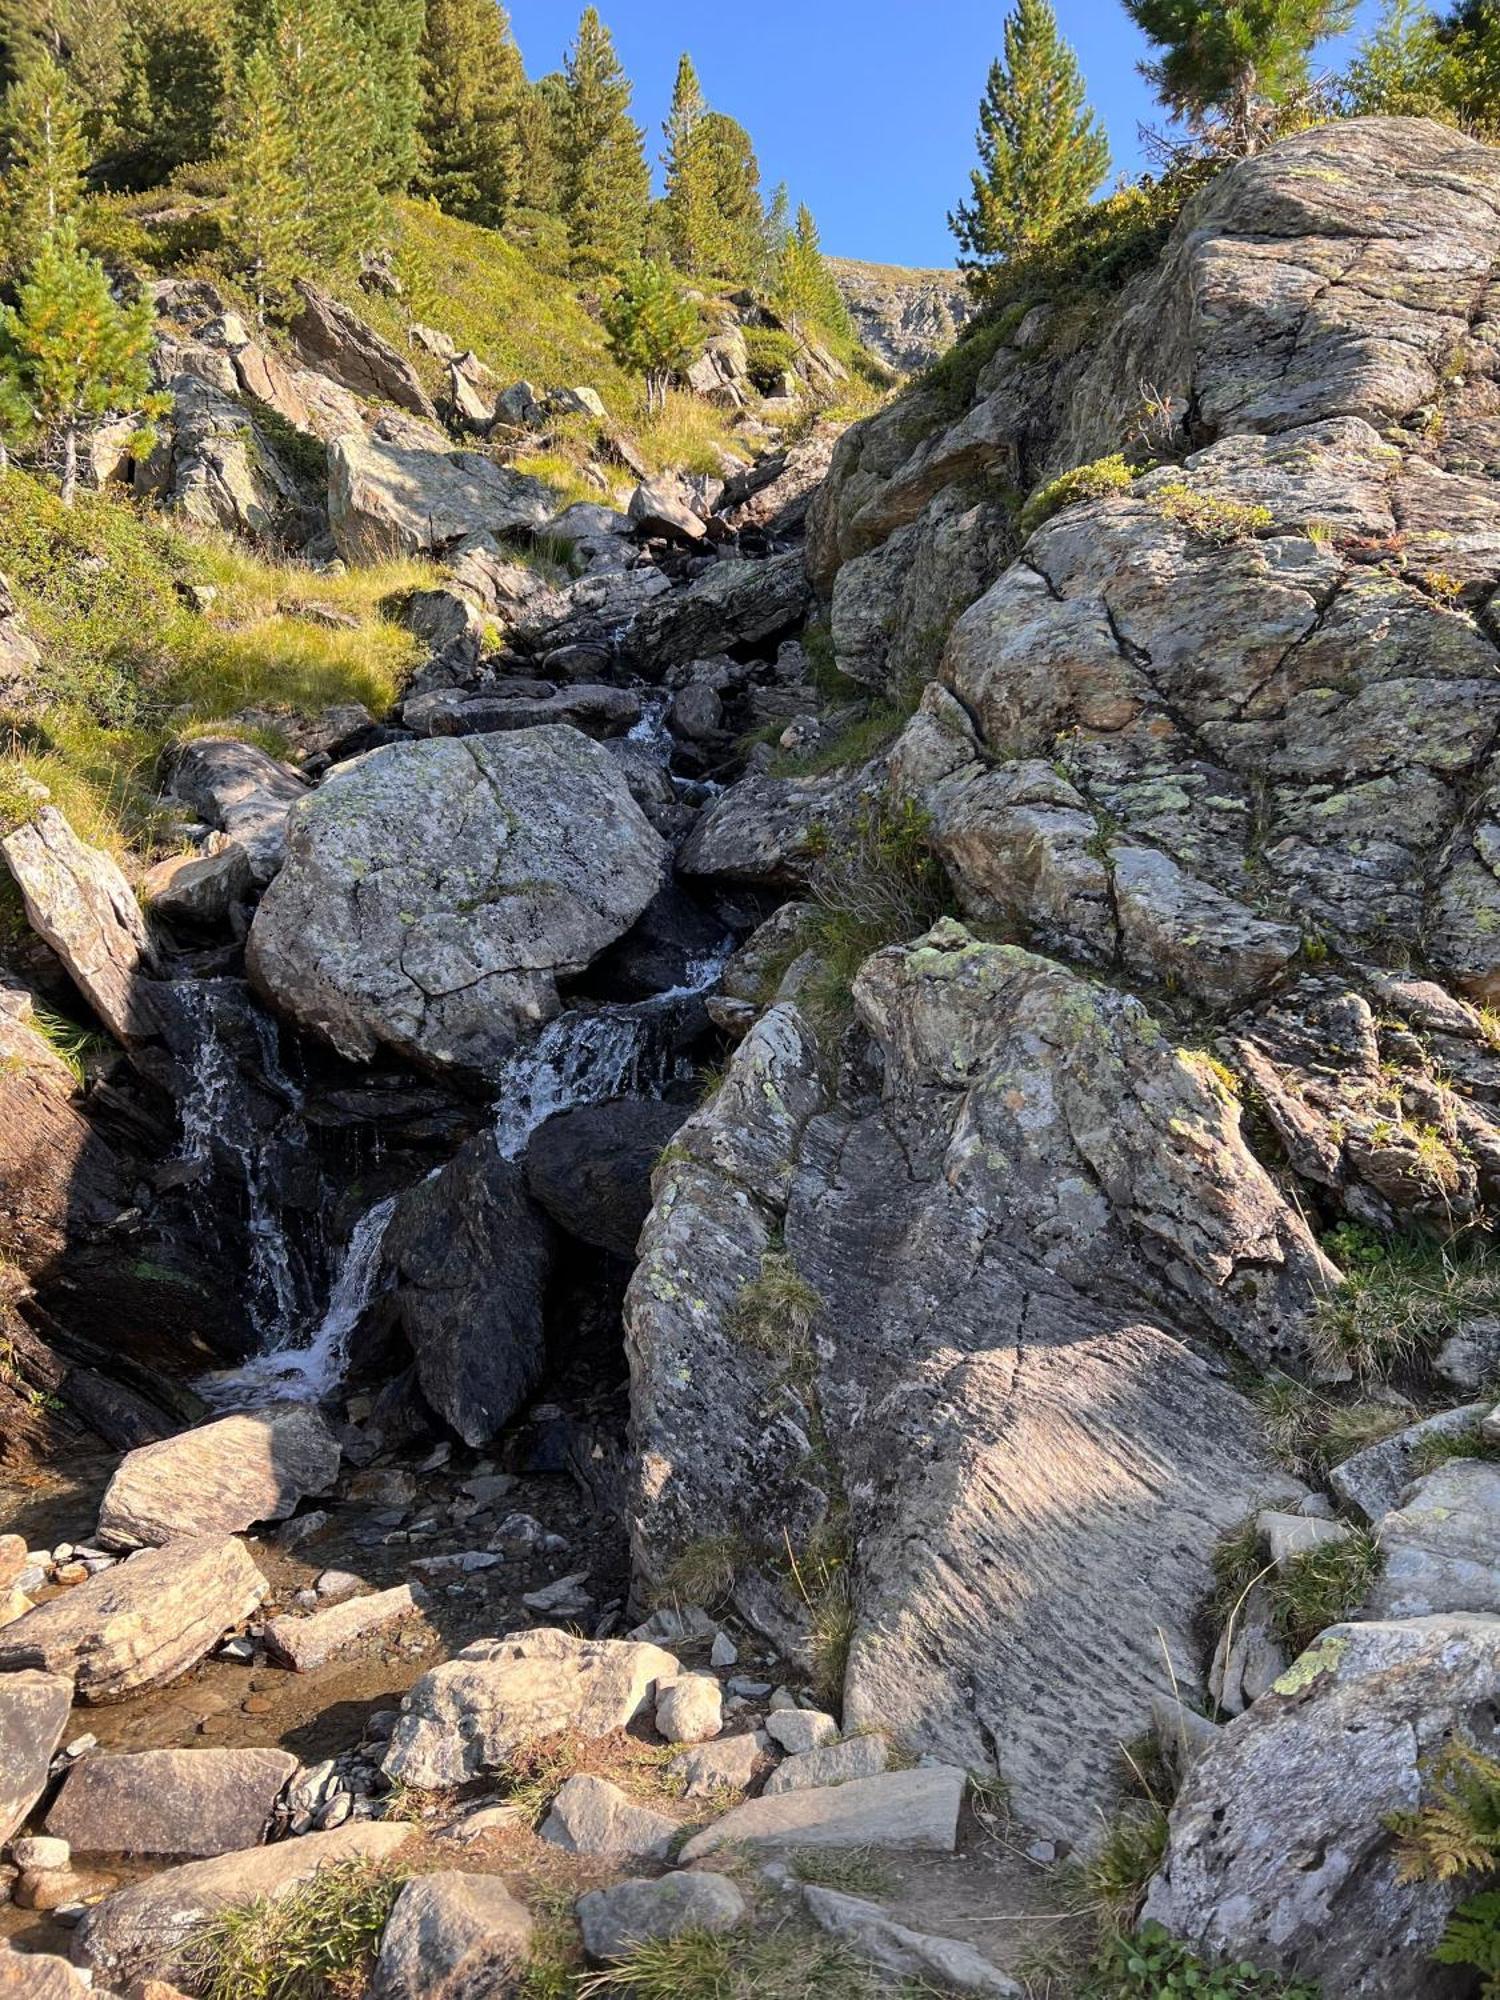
{"x":43,"y":158}
{"x":606,"y":186}
{"x":653,"y":328}
{"x":1042,"y":152}
{"x":1226,"y":69}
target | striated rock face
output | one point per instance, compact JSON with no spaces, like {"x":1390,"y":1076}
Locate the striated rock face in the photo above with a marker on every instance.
{"x":1002,"y":1250}
{"x":176,"y":1802}
{"x":907,"y":317}
{"x":34,"y":1710}
{"x":434,"y":892}
{"x":224,"y":1476}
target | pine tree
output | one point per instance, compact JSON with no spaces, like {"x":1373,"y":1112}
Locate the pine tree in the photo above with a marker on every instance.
{"x":45,"y":156}
{"x":687,"y":218}
{"x":470,"y":126}
{"x":176,"y":68}
{"x":1041,"y":151}
{"x":387,"y":34}
{"x":1470,"y":35}
{"x":803,"y":290}
{"x":653,"y":328}
{"x":1398,"y":70}
{"x":323,"y":131}
{"x":541,"y":119}
{"x":1224,"y":68}
{"x":69,"y":353}
{"x":606,"y":185}
{"x":264,"y":207}
{"x":732,"y":173}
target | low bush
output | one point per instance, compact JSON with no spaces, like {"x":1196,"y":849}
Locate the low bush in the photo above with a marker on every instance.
{"x":1211,"y":517}
{"x":1401,"y":1297}
{"x":1148,"y":1964}
{"x":877,"y":884}
{"x":1308,"y":1593}
{"x":1084,"y":482}
{"x":317,"y":1939}
{"x":774,"y":1312}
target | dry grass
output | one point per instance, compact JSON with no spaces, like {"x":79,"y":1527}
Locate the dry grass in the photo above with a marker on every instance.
{"x":535,"y":1771}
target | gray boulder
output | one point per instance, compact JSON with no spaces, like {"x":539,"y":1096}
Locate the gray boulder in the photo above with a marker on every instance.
{"x":34,"y":1710}
{"x":388,"y":499}
{"x":873,"y":1934}
{"x":214,"y":465}
{"x":616,"y":1919}
{"x":590,"y":1168}
{"x":830,"y":1764}
{"x":734,"y":603}
{"x":244,"y":792}
{"x":1279,"y":1849}
{"x":486,"y":868}
{"x":1374,"y":1480}
{"x":1441,"y":1547}
{"x":591,"y":1816}
{"x":169,"y":1802}
{"x":337,"y":342}
{"x":451,"y":1936}
{"x":914,"y":1811}
{"x":470,"y":1255}
{"x":223,"y":1476}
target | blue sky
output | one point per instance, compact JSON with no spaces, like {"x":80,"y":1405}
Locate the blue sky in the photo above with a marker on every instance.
{"x":866,"y":108}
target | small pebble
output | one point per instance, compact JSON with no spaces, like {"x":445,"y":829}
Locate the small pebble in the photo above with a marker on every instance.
{"x":41,"y":1851}
{"x":751,"y":1690}
{"x":725,"y":1652}
{"x":79,"y":1745}
{"x":256,"y":1704}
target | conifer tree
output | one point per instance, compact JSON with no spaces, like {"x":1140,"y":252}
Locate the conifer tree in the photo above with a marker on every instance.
{"x":176,"y":68}
{"x":469,"y":130}
{"x":606,"y":186}
{"x":653,"y":328}
{"x":264,"y":209}
{"x":803,"y":290}
{"x":1470,"y":35}
{"x":1041,"y":150}
{"x":324,"y":129}
{"x":541,"y":118}
{"x":1224,"y":69}
{"x":387,"y":34}
{"x":69,"y":352}
{"x":1398,"y":70}
{"x":687,"y":217}
{"x":44,"y":156}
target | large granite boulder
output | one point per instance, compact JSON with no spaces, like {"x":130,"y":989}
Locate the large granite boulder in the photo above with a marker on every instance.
{"x":337,"y":342}
{"x":469,"y":1254}
{"x":434,"y":893}
{"x":451,"y":1935}
{"x":215,"y":466}
{"x":221,"y":1477}
{"x":732,"y":604}
{"x":138,"y":1622}
{"x":995,"y":1269}
{"x":390,"y":499}
{"x":464,"y":1718}
{"x":1280,"y":1851}
{"x":590,"y":1168}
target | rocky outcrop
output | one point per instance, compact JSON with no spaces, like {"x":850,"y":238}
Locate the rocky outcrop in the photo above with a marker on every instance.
{"x":434,"y":893}
{"x":993,"y":1267}
{"x":734,"y":603}
{"x":139,"y":1622}
{"x":1280,"y":1848}
{"x":388,"y":499}
{"x":906,"y":317}
{"x":244,"y":792}
{"x":220,"y":1478}
{"x":213,"y":464}
{"x":336,"y":342}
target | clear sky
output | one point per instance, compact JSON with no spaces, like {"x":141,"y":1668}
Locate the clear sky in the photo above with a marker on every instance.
{"x":866,"y":108}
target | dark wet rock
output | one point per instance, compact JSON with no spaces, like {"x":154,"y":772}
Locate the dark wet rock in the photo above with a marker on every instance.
{"x":591,"y":1168}
{"x":597,"y":711}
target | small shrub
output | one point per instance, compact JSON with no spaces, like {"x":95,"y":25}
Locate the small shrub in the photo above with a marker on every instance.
{"x":1149,"y":1964}
{"x":1084,"y":482}
{"x":1457,"y":1832}
{"x":318,"y":1938}
{"x":1210,"y":516}
{"x":1117,"y":1873}
{"x":879,"y":885}
{"x":823,"y":1578}
{"x":1472,"y":1938}
{"x":860,"y":740}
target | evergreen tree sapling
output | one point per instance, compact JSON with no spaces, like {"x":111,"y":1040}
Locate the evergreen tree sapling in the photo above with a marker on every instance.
{"x":70,"y":353}
{"x":803,"y":290}
{"x":1226,"y":69}
{"x":264,"y":210}
{"x":687,"y":219}
{"x":44,"y":156}
{"x":653,"y":328}
{"x":606,"y":185}
{"x":1042,"y":152}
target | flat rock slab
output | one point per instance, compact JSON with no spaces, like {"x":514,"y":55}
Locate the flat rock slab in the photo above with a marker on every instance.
{"x":139,"y":1932}
{"x":465,"y":1717}
{"x":34,"y":1709}
{"x":388,"y":500}
{"x":243,"y":791}
{"x":873,"y":1934}
{"x":1375,"y":1479}
{"x":142,"y":1621}
{"x":38,"y":1975}
{"x":179,"y":1802}
{"x":224,"y":1476}
{"x":306,"y":1643}
{"x":434,"y":892}
{"x":915,"y":1810}
{"x":451,"y":1935}
{"x":831,"y":1764}
{"x":592,"y":1816}
{"x":614,"y":1920}
{"x":1442,"y":1548}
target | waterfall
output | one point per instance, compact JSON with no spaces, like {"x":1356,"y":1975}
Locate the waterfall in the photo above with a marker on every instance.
{"x":216,"y":1114}
{"x":313,"y":1372}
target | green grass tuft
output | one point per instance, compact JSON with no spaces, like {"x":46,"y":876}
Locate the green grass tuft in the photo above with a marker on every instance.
{"x":787,"y":1963}
{"x":317,"y":1939}
{"x":1401,"y":1297}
